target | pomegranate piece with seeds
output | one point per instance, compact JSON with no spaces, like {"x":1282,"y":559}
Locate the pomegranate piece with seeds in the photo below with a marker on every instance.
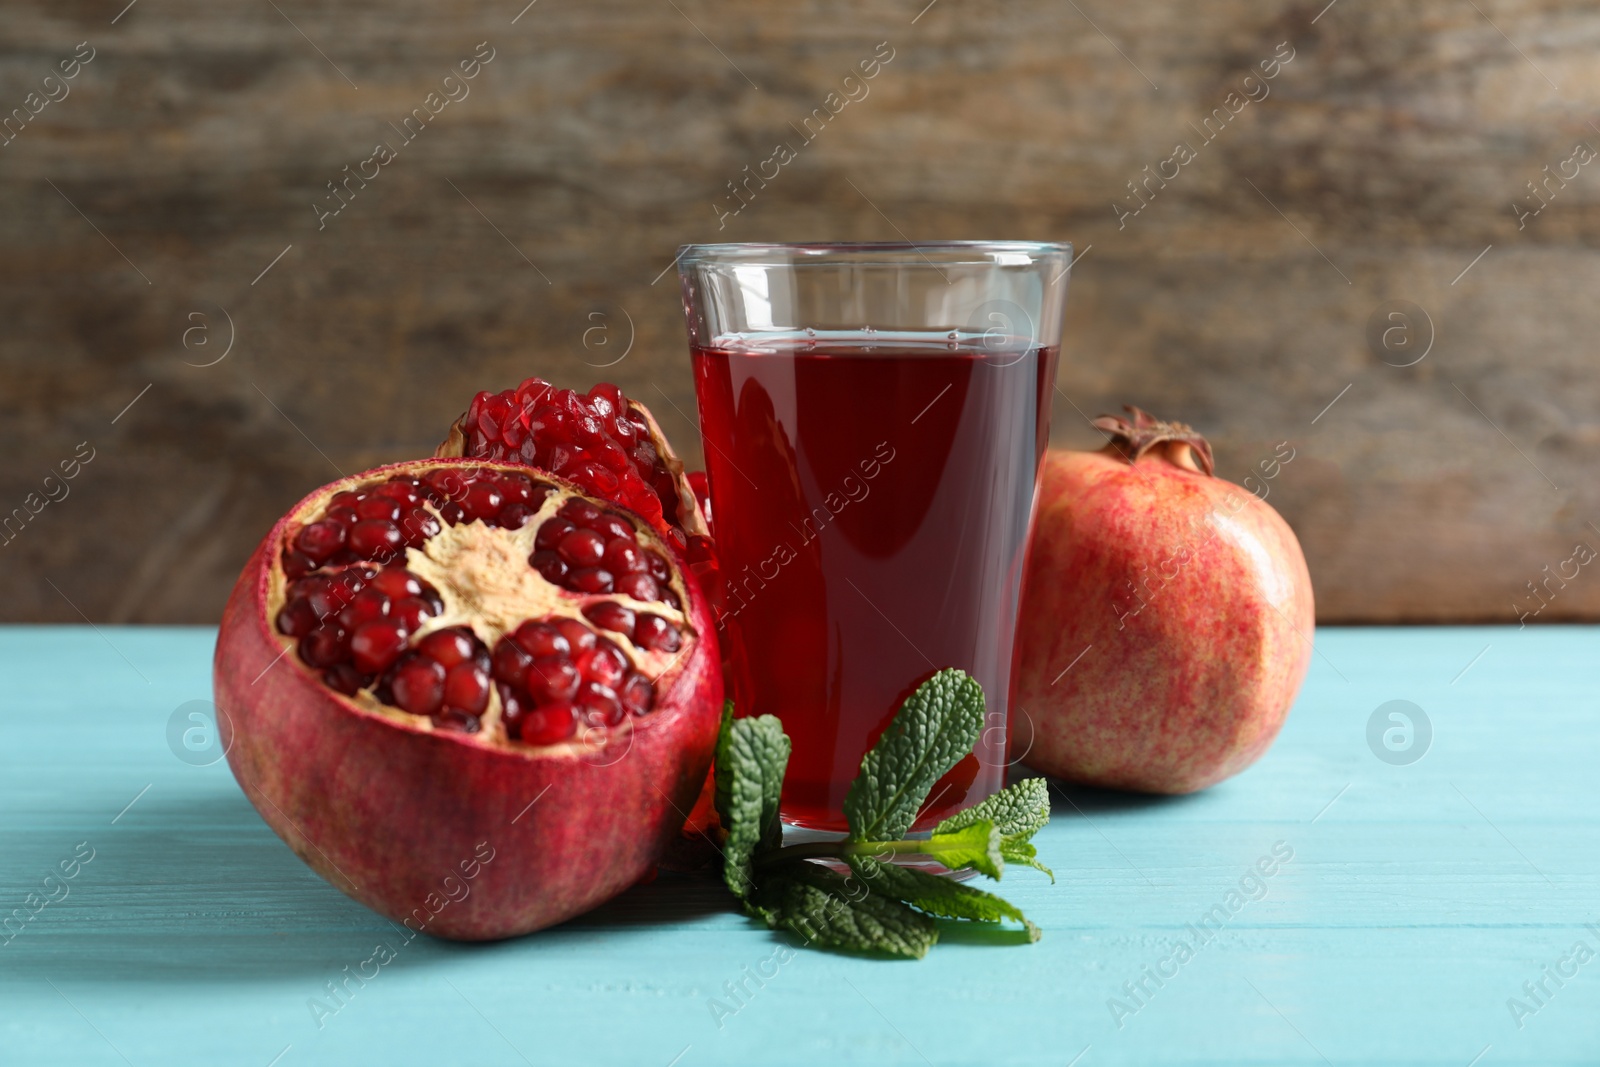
{"x":606,"y":444}
{"x":355,"y":614}
{"x":417,"y":653}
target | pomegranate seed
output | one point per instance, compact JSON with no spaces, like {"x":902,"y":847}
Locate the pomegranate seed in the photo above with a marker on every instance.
{"x":623,"y":556}
{"x":411,"y":611}
{"x":559,"y":458}
{"x":296,"y":619}
{"x":612,"y":528}
{"x":518,"y":488}
{"x":418,"y":526}
{"x":551,"y":567}
{"x":325,"y":646}
{"x":368,"y":604}
{"x":298,"y":564}
{"x":548,"y":725}
{"x":320,"y":596}
{"x":511,"y":661}
{"x":579,"y":637}
{"x":637,"y":693}
{"x":456,"y":721}
{"x":599,"y":481}
{"x":483,"y":501}
{"x":638,"y":586}
{"x":513,"y":516}
{"x":582,"y":548}
{"x":601,"y":707}
{"x":604,"y":664}
{"x":511,"y":710}
{"x":539,"y":639}
{"x":551,"y":533}
{"x":344,"y":499}
{"x":610,"y":616}
{"x":377,"y":644}
{"x":449,"y":648}
{"x":659,"y":570}
{"x":579,"y":512}
{"x":656,"y":634}
{"x":303,"y":587}
{"x":533,"y":391}
{"x":343,"y":678}
{"x":397,"y":582}
{"x":447,"y":482}
{"x":611,"y":455}
{"x":351,"y":580}
{"x":399,"y":490}
{"x":342,"y":516}
{"x":379,"y":507}
{"x":375,"y":538}
{"x":418,"y":686}
{"x":320,"y":540}
{"x":588,"y":429}
{"x":466,"y":688}
{"x":591,"y":580}
{"x":452,"y":513}
{"x":551,"y":678}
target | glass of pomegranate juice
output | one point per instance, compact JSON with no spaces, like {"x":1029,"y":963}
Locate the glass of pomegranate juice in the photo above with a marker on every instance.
{"x":874,"y":416}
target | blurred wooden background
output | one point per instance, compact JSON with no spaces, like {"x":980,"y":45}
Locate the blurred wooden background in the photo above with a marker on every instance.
{"x":139,"y":212}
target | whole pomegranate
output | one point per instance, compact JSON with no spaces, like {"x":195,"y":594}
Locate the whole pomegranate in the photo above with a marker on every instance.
{"x":1166,"y":616}
{"x":470,"y":696}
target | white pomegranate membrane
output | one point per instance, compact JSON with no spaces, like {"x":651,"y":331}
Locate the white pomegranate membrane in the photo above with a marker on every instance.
{"x":482,"y":601}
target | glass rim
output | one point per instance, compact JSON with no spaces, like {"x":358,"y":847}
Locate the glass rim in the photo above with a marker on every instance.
{"x":868,"y":252}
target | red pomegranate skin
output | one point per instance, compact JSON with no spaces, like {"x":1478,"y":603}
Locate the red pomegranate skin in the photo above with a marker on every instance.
{"x":1189,"y":601}
{"x":397,"y":816}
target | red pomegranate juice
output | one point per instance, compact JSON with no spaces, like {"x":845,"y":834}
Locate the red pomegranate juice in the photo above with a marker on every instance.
{"x":871,"y":506}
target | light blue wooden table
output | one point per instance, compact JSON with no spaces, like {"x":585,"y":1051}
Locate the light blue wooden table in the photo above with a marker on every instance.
{"x":1420,"y":898}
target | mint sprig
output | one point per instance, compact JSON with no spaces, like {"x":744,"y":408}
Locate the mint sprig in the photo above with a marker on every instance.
{"x":881,"y":907}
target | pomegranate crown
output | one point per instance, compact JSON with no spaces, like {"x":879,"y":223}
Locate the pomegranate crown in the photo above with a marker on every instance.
{"x":1132,"y":438}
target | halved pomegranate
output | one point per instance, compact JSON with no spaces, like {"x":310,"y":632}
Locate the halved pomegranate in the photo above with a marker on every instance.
{"x":438,"y":658}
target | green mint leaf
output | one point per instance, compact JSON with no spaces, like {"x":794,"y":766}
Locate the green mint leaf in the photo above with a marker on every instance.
{"x":1018,"y":849}
{"x":1019,"y":810}
{"x":976,"y":846}
{"x":830,"y":911}
{"x":933,"y":730}
{"x":752,"y":755}
{"x":938,"y":895}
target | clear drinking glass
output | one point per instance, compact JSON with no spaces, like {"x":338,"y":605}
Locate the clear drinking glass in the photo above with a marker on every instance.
{"x":874,"y":416}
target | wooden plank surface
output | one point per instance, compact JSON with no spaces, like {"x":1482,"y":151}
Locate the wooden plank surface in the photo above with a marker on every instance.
{"x":1418,"y":899}
{"x":165,"y":206}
